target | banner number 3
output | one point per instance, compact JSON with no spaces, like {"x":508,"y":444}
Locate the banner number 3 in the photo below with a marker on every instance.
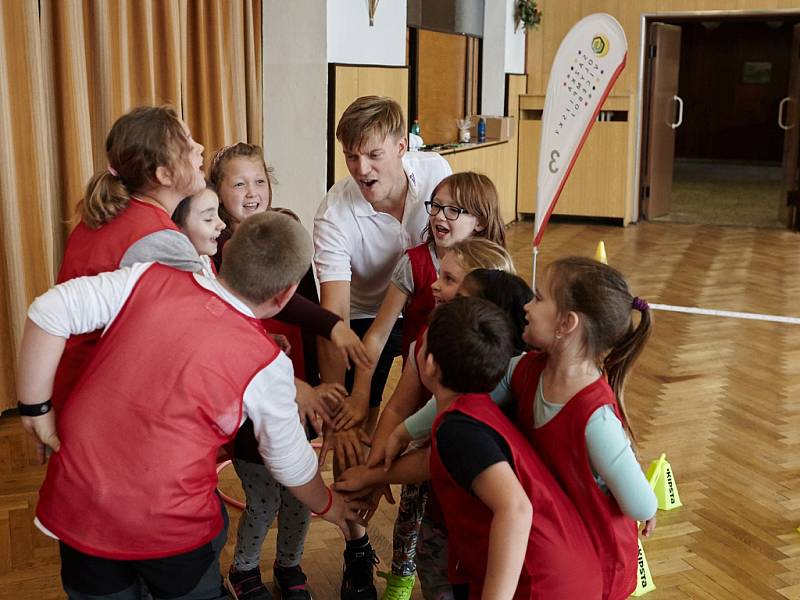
{"x":554,"y":156}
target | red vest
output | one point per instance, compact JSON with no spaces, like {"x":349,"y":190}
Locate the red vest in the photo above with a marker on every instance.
{"x":135,"y":477}
{"x":421,"y":302}
{"x":560,"y":561}
{"x":94,"y":251}
{"x":562,"y":445}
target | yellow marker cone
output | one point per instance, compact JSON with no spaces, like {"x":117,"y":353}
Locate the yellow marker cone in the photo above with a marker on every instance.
{"x":644,"y":581}
{"x":600,"y":253}
{"x":663,"y":483}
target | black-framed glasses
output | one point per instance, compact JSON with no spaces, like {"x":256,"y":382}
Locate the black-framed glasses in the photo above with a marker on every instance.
{"x":451,"y":213}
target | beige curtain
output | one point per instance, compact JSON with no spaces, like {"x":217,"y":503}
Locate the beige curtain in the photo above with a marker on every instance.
{"x":68,"y":69}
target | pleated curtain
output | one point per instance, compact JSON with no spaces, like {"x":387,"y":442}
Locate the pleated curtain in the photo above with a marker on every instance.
{"x":68,"y":70}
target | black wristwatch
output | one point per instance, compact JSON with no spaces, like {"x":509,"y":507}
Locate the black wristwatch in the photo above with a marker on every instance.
{"x":34,"y":410}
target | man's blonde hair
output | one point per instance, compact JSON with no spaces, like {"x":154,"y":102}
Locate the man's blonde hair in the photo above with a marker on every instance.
{"x":368,"y":116}
{"x":268,"y":253}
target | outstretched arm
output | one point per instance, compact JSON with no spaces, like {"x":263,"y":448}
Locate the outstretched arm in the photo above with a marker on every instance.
{"x":356,"y":408}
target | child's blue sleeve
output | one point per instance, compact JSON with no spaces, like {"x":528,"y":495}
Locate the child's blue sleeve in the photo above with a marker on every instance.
{"x":614,"y":462}
{"x":420,"y":423}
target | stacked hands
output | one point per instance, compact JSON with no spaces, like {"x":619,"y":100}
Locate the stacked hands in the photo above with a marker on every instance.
{"x":328,"y":409}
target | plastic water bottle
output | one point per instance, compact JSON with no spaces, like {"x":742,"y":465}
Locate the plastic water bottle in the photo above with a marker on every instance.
{"x":481,"y":130}
{"x":415,"y":127}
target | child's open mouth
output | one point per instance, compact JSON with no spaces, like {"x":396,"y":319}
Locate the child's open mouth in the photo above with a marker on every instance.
{"x":250,"y":205}
{"x":368,"y":183}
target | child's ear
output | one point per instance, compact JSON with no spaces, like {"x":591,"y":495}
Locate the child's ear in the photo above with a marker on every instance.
{"x":480,"y":227}
{"x":164,"y":176}
{"x":430,"y":368}
{"x":570,"y":323}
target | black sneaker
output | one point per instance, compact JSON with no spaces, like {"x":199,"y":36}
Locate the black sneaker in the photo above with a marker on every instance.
{"x":291,"y":582}
{"x":246,"y":585}
{"x":357,"y":583}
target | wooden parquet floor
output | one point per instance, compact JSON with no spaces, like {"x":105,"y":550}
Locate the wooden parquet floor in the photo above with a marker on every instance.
{"x":720,"y":396}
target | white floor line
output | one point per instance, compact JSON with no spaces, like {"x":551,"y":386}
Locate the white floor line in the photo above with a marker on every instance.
{"x":727,"y":313}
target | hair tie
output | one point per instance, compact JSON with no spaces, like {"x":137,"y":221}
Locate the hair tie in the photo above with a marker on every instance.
{"x":112,"y":170}
{"x":640,"y":304}
{"x":219,"y":154}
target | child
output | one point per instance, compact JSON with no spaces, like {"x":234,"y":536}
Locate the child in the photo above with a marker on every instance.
{"x":143,"y":504}
{"x":462,"y":257}
{"x":153,"y":163}
{"x":513,"y":533}
{"x":243,"y":181}
{"x":198,"y":218}
{"x":571,"y":405}
{"x":511,"y":294}
{"x":462,"y":205}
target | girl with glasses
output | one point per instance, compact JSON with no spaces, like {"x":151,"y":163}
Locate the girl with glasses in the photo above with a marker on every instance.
{"x":461,"y":206}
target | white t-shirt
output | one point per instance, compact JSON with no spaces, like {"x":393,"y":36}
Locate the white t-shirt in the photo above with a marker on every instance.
{"x":353,"y":242}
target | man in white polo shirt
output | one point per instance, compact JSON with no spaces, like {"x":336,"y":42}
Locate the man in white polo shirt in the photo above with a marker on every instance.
{"x":362,"y":228}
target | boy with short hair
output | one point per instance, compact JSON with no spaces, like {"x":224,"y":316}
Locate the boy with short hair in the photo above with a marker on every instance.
{"x":512,"y":531}
{"x":130,"y":490}
{"x":363,"y":226}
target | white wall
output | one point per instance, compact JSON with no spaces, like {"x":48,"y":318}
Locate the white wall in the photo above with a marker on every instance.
{"x":295,"y":68}
{"x":351,"y":40}
{"x":503,"y":52}
{"x":515,"y":42}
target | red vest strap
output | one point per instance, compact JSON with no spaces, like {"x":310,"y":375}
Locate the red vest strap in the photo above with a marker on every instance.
{"x":421,"y":302}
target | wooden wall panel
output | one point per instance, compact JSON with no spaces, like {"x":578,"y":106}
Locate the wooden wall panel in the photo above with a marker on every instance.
{"x":441,"y":65}
{"x":352,"y":82}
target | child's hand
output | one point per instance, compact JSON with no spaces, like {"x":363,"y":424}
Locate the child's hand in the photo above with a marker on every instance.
{"x":343,"y":510}
{"x":649,"y":526}
{"x":332,"y":395}
{"x":283,"y":342}
{"x":357,"y":480}
{"x":43,"y":429}
{"x":394,"y":446}
{"x":381,"y":491}
{"x":314,"y":404}
{"x":350,"y":346}
{"x":347,"y":446}
{"x":352,"y":413}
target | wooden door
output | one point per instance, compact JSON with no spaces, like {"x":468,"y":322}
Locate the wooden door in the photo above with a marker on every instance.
{"x":789,"y":120}
{"x":664,"y":114}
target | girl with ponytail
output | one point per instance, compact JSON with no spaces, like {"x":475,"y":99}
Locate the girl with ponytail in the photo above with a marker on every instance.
{"x":125,"y":213}
{"x":570,"y":404}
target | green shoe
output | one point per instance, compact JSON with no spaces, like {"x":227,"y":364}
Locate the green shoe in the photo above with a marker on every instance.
{"x":398,"y":587}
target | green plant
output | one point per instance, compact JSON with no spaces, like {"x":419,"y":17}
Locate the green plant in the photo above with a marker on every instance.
{"x":528,"y":14}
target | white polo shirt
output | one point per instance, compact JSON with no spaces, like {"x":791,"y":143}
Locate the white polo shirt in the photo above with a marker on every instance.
{"x":353,"y":242}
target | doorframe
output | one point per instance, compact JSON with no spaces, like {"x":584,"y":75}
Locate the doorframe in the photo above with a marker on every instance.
{"x":698,"y":15}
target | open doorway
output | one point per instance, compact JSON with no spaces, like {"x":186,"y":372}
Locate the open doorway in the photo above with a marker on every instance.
{"x":720,"y":119}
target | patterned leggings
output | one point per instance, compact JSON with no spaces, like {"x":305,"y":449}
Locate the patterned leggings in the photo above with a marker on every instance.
{"x":406,"y":528}
{"x":265,"y":499}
